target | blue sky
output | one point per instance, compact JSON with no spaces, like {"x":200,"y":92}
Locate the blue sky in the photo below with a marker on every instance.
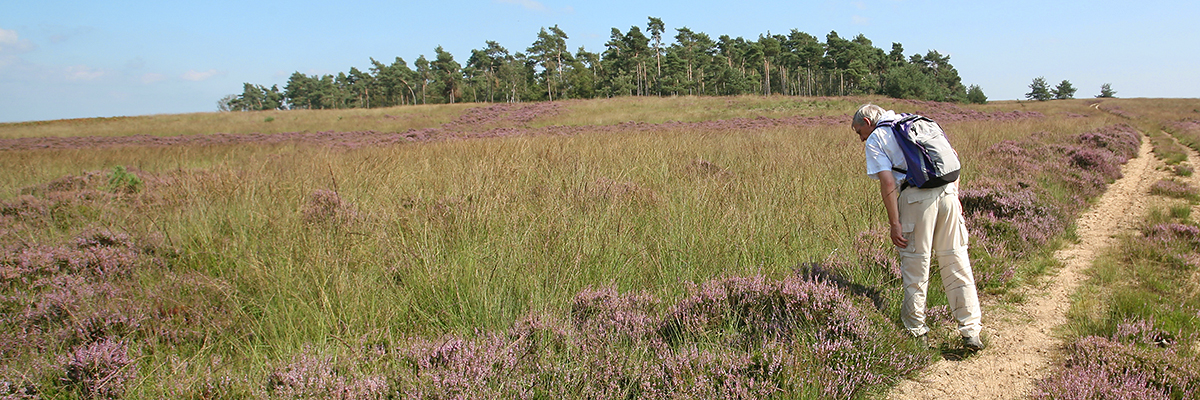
{"x":66,"y":59}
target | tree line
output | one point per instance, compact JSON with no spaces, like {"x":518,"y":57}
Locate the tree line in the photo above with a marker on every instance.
{"x":1040,"y":90}
{"x":633,"y":63}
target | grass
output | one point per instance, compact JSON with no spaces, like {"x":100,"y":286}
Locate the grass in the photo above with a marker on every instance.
{"x":1167,"y":149}
{"x":266,"y":260}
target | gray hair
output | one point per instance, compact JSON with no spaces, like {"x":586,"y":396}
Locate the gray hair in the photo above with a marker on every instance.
{"x":869,"y":111}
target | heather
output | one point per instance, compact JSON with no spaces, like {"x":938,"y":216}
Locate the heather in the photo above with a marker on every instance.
{"x":514,"y":250}
{"x":1175,"y":188}
{"x":1031,"y":193}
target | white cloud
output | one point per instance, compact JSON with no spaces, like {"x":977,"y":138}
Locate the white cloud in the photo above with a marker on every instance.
{"x":11,"y":42}
{"x":195,"y":76}
{"x":152,"y":78}
{"x":527,"y":4}
{"x":83,"y":73}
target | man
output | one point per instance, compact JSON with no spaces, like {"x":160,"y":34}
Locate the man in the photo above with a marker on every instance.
{"x":921,"y":221}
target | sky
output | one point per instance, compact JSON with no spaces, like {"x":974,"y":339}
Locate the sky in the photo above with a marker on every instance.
{"x":68,"y":59}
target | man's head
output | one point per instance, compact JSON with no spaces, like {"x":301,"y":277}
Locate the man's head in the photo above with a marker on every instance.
{"x":865,"y":119}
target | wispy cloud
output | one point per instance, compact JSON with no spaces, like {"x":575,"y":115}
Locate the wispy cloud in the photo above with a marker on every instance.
{"x":83,"y":73}
{"x":195,"y":76}
{"x":527,"y":4}
{"x":860,"y":20}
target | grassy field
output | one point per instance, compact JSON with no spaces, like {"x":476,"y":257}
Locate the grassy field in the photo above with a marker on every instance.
{"x":542,"y":250}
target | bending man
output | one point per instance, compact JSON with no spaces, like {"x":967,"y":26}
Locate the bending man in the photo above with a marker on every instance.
{"x":921,"y":221}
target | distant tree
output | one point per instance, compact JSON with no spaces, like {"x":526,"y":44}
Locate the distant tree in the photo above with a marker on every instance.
{"x":226,"y":103}
{"x":257,"y":98}
{"x":448,"y":73}
{"x":1106,"y":91}
{"x":1039,"y":90}
{"x":1064,"y":90}
{"x":770,"y":50}
{"x":655,"y":27}
{"x":975,"y":95}
{"x":424,"y":75}
{"x":550,"y":52}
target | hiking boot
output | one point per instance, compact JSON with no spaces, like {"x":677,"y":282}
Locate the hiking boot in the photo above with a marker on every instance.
{"x":972,"y":343}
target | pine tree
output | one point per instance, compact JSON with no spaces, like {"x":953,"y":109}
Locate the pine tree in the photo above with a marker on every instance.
{"x":975,"y":95}
{"x":1064,"y":90}
{"x":1038,"y":90}
{"x":1106,"y":91}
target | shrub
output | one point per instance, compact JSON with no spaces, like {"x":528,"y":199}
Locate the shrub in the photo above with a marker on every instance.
{"x":99,"y":370}
{"x":122,"y":181}
{"x":1176,"y":189}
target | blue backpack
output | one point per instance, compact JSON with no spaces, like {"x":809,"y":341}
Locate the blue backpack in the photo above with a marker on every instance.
{"x":931,"y":161}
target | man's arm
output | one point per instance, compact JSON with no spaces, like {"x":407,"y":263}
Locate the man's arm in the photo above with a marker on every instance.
{"x":887,"y":190}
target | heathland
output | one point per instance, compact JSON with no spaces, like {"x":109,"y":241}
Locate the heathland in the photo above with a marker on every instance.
{"x":692,"y":247}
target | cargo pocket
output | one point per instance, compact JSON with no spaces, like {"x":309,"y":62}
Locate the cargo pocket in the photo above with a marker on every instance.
{"x":906,"y":230}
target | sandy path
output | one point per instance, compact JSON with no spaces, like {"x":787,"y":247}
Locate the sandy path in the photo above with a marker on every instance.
{"x":1023,"y":344}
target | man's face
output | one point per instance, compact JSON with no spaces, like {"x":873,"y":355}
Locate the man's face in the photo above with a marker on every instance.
{"x":862,"y":128}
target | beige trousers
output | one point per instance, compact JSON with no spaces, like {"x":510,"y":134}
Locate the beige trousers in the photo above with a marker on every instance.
{"x":932,"y":221}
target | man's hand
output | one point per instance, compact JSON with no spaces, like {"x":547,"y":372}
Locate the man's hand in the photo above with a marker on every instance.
{"x":898,"y":236}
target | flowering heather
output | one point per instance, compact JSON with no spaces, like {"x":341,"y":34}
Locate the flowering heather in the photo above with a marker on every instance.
{"x":1122,"y":140}
{"x":1099,"y":161}
{"x":99,"y":370}
{"x":1010,"y":220}
{"x":736,"y":337}
{"x":763,"y":309}
{"x":1083,"y":383}
{"x":1097,"y":367}
{"x":1175,"y":231}
{"x":612,"y":316}
{"x":309,"y":376}
{"x":1176,"y":189}
{"x":1009,"y":213}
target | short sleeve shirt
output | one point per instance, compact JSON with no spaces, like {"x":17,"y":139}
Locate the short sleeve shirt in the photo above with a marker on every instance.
{"x":882,"y":151}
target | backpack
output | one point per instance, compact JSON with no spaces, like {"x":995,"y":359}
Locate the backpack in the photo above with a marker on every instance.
{"x":926,"y":151}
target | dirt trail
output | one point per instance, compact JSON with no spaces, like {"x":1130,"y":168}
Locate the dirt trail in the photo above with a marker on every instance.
{"x":1023,"y":342}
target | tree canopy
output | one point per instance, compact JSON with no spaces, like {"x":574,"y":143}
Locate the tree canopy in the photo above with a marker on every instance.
{"x":1039,"y":90}
{"x":634,"y":62}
